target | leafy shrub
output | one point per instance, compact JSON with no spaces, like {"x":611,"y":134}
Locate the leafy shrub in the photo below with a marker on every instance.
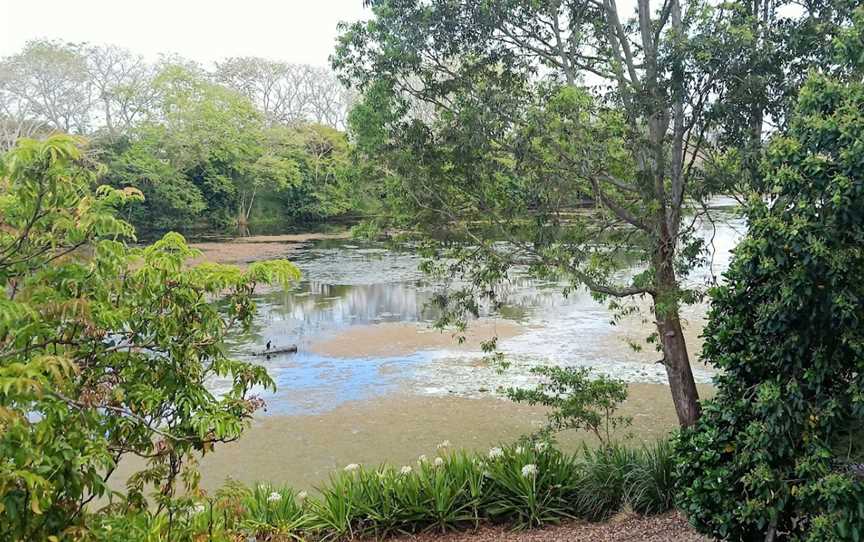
{"x":576,"y":400}
{"x":106,"y":349}
{"x":774,"y":454}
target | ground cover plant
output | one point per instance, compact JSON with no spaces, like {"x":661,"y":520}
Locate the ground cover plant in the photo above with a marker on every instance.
{"x":523,"y":485}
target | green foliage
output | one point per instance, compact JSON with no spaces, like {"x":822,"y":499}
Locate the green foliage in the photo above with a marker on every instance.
{"x":105,"y":349}
{"x":775,"y":452}
{"x":577,"y":401}
{"x":528,"y":484}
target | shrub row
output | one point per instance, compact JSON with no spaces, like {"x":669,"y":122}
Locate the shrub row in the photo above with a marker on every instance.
{"x":529,"y":484}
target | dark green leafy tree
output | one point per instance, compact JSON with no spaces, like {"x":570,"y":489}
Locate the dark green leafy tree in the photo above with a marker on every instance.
{"x":777,"y":454}
{"x":106,"y":350}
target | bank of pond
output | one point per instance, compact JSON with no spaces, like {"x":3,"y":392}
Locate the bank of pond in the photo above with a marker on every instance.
{"x":527,"y":484}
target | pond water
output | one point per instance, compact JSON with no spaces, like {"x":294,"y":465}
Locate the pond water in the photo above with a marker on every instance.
{"x":361,"y":320}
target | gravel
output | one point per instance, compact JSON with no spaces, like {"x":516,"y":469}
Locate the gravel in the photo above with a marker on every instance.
{"x":667,"y":527}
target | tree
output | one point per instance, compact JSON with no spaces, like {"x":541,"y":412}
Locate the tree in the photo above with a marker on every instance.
{"x":777,"y":452}
{"x":543,"y":107}
{"x":123,"y":86}
{"x":50,"y":83}
{"x":203,"y":147}
{"x":759,"y":54}
{"x":518,"y":153}
{"x":105,"y":350}
{"x":290,"y":94}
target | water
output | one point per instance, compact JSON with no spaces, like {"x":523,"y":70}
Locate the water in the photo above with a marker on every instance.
{"x":352,"y":285}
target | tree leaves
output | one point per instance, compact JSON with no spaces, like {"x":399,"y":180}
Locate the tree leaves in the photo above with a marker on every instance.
{"x":106,"y":350}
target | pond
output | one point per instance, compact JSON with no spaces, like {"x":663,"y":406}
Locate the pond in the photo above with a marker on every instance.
{"x":373,"y":382}
{"x":361,"y":318}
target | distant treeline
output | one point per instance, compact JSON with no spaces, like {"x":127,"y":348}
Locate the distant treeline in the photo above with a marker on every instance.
{"x":250,"y":140}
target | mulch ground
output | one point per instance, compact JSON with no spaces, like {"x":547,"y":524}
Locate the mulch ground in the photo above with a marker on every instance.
{"x":664,"y":528}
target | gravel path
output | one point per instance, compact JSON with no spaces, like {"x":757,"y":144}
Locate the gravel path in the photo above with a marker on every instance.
{"x":664,"y":528}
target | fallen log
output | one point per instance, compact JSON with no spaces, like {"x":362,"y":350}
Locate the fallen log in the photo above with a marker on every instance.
{"x":292,"y":349}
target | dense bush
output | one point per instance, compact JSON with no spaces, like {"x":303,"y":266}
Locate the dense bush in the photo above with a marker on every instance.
{"x":776,"y":454}
{"x":528,"y":484}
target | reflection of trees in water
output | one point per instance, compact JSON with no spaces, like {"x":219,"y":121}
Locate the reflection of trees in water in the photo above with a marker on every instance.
{"x":317,"y":305}
{"x":364,"y":283}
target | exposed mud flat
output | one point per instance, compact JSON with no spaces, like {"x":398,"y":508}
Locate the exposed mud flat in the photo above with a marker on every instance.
{"x":244,"y":250}
{"x":401,"y":339}
{"x":303,"y":450}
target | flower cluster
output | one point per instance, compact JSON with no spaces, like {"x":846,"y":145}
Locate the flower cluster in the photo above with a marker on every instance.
{"x":529,"y":470}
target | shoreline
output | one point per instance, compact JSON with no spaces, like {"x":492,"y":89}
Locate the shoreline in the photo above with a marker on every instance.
{"x":302,"y":450}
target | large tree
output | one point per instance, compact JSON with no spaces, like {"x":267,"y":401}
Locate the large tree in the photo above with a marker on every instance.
{"x":540,"y":107}
{"x":49,"y":82}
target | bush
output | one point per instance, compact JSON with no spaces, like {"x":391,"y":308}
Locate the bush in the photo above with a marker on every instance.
{"x":775,"y":454}
{"x":524,"y":485}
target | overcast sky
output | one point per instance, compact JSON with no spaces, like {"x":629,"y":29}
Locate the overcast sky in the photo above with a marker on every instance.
{"x":300,"y":31}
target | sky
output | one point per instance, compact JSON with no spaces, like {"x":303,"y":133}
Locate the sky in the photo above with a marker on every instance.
{"x":297,"y":31}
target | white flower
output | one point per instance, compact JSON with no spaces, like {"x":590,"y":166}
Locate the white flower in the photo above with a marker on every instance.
{"x":352,"y":467}
{"x":495,"y":453}
{"x":422,"y":459}
{"x":198,"y":508}
{"x":405,"y":470}
{"x":274,"y":497}
{"x":519,"y":449}
{"x":445,"y":444}
{"x":541,"y":446}
{"x":439,"y":461}
{"x":529,"y":470}
{"x":302,"y":496}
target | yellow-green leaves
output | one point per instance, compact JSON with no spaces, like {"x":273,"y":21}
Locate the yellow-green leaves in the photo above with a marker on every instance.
{"x":106,"y":349}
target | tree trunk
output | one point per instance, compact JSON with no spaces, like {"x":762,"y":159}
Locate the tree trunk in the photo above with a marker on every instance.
{"x":685,"y":396}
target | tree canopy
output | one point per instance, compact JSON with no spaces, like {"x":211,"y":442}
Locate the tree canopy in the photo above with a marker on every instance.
{"x":511,"y":118}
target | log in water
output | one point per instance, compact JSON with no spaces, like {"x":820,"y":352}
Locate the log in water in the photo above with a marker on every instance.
{"x":292,"y":349}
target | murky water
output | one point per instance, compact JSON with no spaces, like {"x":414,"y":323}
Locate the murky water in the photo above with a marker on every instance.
{"x":350,"y":286}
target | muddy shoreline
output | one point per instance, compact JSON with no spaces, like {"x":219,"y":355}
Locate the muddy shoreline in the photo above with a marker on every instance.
{"x":303,"y":450}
